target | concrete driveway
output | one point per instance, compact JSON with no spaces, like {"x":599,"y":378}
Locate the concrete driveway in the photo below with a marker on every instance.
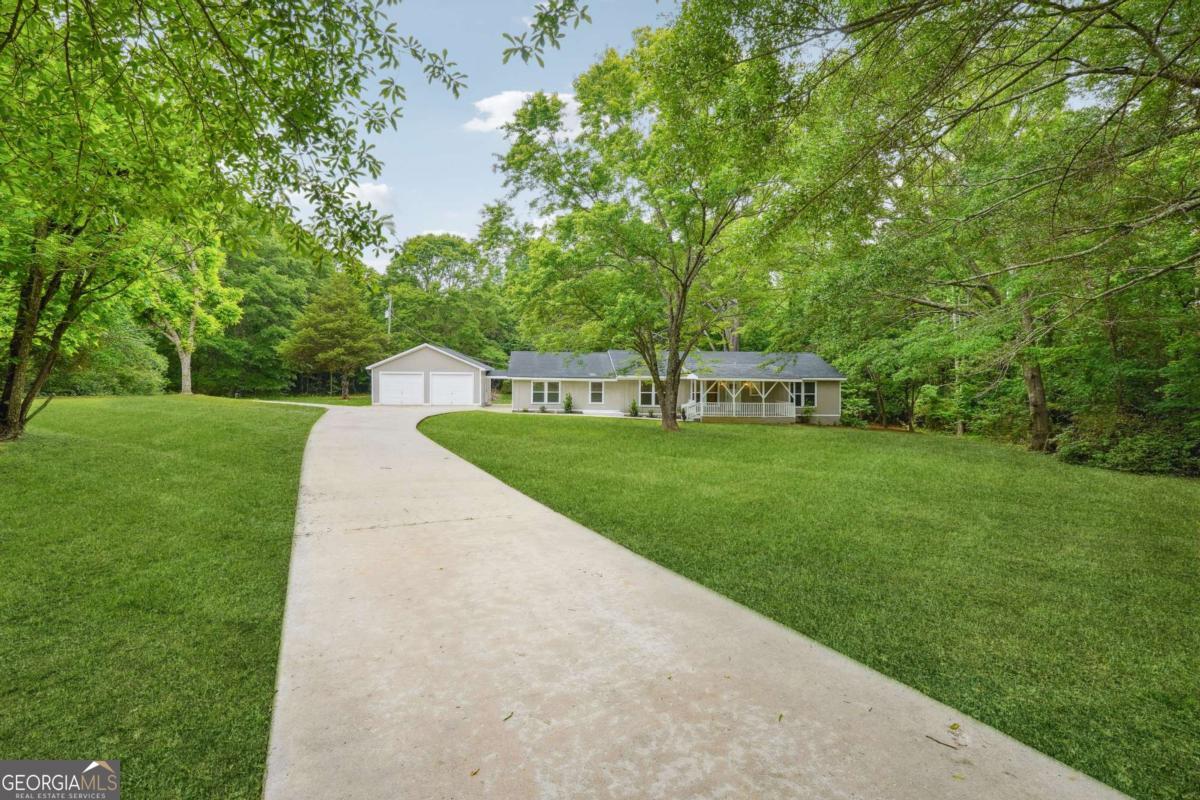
{"x":448,"y":637}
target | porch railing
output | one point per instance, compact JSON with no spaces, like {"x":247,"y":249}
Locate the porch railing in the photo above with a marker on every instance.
{"x":741,"y":408}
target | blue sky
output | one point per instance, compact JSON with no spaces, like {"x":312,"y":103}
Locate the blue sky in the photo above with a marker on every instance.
{"x":438,"y":165}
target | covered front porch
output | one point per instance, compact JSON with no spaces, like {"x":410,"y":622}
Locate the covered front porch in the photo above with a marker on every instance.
{"x":764,"y":400}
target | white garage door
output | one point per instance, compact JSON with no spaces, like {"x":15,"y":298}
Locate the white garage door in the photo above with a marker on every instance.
{"x":452,"y":389}
{"x":401,"y":389}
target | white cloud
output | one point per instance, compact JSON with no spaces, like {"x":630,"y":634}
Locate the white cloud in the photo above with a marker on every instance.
{"x":498,"y":110}
{"x":378,"y":195}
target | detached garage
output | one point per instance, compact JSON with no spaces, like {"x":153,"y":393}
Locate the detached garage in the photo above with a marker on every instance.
{"x":429,"y":375}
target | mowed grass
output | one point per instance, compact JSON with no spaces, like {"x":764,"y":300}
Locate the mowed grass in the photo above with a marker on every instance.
{"x":325,"y":399}
{"x":144,"y":546}
{"x":1059,"y":604}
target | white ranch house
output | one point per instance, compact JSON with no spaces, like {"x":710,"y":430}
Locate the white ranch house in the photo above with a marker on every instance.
{"x":716,"y":386}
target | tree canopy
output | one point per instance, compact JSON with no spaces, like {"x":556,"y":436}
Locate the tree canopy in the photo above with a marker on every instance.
{"x":645,"y":251}
{"x":336,"y":333}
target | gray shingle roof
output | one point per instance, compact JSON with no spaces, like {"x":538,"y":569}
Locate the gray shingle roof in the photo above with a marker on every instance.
{"x":530,"y":364}
{"x":750,"y":365}
{"x":743,"y":365}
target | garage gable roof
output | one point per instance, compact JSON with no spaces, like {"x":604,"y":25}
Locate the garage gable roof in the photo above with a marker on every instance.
{"x":446,"y":351}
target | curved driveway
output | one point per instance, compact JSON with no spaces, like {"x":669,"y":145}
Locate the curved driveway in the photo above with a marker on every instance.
{"x":448,"y":637}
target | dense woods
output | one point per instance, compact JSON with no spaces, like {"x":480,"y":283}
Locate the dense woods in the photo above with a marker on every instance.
{"x":984,"y":214}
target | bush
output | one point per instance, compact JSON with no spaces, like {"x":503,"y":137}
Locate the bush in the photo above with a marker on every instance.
{"x":1156,"y":452}
{"x":1130,"y":445}
{"x":568,"y":404}
{"x":855,"y":411}
{"x":542,"y":409}
{"x":633,"y":409}
{"x":122,"y":360}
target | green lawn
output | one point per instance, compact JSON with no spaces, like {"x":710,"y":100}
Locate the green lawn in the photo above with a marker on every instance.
{"x":1060,"y":604}
{"x":144,"y":547}
{"x":327,"y":399}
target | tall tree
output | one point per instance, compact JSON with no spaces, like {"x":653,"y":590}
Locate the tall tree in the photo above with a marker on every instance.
{"x":337,"y":333}
{"x":275,"y":281}
{"x":1095,"y":193}
{"x":648,"y":196}
{"x":119,"y":112}
{"x":187,"y":300}
{"x":441,"y":290}
{"x":436,"y":261}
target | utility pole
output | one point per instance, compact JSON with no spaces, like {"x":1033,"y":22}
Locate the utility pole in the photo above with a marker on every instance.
{"x":388,"y":314}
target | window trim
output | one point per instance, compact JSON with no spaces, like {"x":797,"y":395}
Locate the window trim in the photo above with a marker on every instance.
{"x":799,"y":391}
{"x":545,"y":401}
{"x":592,"y":401}
{"x":653,"y":394}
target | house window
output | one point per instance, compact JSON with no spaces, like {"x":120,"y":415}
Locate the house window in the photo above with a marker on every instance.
{"x":804,"y":393}
{"x":545,"y":391}
{"x":646,"y":396}
{"x":695,"y":394}
{"x":596,"y":392}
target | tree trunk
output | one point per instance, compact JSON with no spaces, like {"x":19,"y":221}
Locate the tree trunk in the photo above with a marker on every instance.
{"x":20,"y":348}
{"x":910,"y":402}
{"x":1035,"y":391}
{"x":70,"y":314}
{"x":880,"y":402}
{"x":1109,"y":324}
{"x":185,"y":370}
{"x":345,"y":385}
{"x":668,"y":403}
{"x":1039,"y":414}
{"x":35,"y":294}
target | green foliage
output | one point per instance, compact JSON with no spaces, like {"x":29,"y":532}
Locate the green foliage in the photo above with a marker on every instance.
{"x":568,"y":404}
{"x":336,"y":332}
{"x":1133,"y":445}
{"x":435,"y":261}
{"x":262,"y":103}
{"x":442,"y":290}
{"x":633,"y":408}
{"x":653,"y":199}
{"x":987,"y":216}
{"x":184,"y":297}
{"x":548,"y":27}
{"x":122,"y":115}
{"x":274,"y":283}
{"x":122,"y":359}
{"x":856,"y":409}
